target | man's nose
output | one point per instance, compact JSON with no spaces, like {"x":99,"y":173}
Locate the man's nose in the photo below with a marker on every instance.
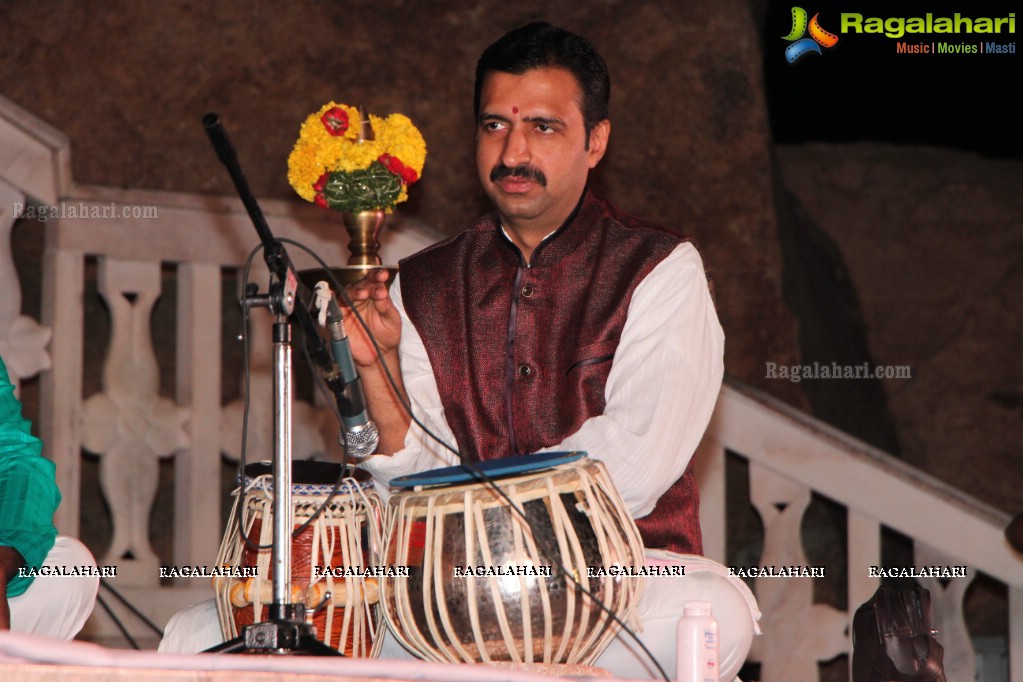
{"x":516,"y":148}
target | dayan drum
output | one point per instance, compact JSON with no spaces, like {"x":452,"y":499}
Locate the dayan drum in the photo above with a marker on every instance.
{"x":332,"y":554}
{"x":486,"y":584}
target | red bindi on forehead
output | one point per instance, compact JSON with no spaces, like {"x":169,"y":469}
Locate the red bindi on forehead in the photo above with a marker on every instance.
{"x":515,"y":110}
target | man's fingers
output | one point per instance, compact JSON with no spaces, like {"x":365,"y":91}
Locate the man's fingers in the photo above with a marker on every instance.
{"x":372,"y":286}
{"x":369,"y":296}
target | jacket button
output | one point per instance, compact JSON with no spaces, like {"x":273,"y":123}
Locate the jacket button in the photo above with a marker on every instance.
{"x":527,"y":291}
{"x":525,"y":371}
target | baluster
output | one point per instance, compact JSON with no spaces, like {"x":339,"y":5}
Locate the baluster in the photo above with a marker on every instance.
{"x":709,"y":467}
{"x":864,"y":550}
{"x":797,"y":632}
{"x":197,"y":469}
{"x":947,"y":614}
{"x":128,"y":424}
{"x":23,"y":341}
{"x":60,"y":394}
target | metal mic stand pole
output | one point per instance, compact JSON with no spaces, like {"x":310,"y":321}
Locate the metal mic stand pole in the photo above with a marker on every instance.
{"x":285,"y":631}
{"x":281,"y":552}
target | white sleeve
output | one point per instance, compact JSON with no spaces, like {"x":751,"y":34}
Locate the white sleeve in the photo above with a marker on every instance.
{"x":421,"y":452}
{"x":663,"y":383}
{"x":660,"y":393}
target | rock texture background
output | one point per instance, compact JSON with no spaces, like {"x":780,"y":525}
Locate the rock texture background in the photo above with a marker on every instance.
{"x":128,"y":83}
{"x":933,"y":242}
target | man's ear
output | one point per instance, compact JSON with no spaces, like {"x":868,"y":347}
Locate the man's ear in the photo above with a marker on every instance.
{"x":598,"y":141}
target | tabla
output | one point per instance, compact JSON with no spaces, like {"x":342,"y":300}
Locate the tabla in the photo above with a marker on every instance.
{"x":484,"y":585}
{"x":343,"y":540}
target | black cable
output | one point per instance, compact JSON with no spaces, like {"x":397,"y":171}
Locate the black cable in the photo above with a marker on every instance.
{"x":277,"y":262}
{"x":131,"y":607}
{"x":239,"y":509}
{"x":118,"y":623}
{"x":466,"y":463}
{"x":240,"y":504}
{"x":340,"y":290}
{"x":321,"y":384}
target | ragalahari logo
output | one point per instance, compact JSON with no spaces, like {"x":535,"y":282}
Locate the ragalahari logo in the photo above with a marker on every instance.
{"x":800,"y":44}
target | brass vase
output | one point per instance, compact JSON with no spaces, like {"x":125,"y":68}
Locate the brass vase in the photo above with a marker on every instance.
{"x":363,"y":229}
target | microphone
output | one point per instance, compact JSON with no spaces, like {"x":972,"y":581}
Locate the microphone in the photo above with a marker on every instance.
{"x":359,"y":435}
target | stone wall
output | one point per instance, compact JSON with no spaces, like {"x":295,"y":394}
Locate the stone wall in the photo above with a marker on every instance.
{"x":128,"y":83}
{"x":933,"y":243}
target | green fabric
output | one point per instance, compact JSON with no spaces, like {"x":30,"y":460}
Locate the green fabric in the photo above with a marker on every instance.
{"x":28,"y":489}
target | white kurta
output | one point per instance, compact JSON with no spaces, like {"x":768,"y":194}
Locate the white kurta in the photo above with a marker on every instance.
{"x":660,"y":393}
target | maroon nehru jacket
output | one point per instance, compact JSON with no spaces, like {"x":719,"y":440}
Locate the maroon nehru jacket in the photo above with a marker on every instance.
{"x":521,"y":354}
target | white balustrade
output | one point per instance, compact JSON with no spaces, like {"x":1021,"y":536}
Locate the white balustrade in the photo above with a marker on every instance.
{"x":791,"y":454}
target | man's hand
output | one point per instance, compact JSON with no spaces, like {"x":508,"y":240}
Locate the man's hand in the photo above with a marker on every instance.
{"x":10,"y":561}
{"x":369,"y":296}
{"x":386,"y":403}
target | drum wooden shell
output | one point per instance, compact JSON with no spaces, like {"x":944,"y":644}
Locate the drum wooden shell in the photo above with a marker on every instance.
{"x":577,"y":520}
{"x":346,"y":535}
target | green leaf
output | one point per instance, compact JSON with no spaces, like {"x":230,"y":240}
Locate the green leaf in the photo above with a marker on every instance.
{"x":371,"y":189}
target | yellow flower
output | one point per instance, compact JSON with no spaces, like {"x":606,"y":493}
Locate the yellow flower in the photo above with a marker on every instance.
{"x":404,"y":141}
{"x":317,"y":151}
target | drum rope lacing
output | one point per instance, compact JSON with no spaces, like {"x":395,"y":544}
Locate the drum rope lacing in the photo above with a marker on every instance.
{"x":581,"y":637}
{"x":481,"y":475}
{"x":340,"y":522}
{"x":246,"y":390}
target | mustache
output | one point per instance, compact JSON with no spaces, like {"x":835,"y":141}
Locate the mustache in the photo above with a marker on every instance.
{"x":521,"y":171}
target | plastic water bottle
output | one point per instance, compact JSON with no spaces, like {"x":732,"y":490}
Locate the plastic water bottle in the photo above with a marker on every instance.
{"x":697,"y":644}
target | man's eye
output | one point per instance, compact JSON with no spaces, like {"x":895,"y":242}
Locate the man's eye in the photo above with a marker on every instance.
{"x":544,"y":128}
{"x":492,"y":125}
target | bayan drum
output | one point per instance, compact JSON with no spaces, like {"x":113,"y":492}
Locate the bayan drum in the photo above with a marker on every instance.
{"x":333,"y":550}
{"x":489,"y":582}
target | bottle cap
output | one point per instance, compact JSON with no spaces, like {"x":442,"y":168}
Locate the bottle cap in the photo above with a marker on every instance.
{"x":696,"y":608}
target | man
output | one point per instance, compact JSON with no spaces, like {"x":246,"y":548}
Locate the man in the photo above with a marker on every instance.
{"x":555,"y":323}
{"x":558,"y":323}
{"x":52,"y":605}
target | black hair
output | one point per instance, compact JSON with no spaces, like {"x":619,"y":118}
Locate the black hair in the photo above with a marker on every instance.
{"x":539,"y":45}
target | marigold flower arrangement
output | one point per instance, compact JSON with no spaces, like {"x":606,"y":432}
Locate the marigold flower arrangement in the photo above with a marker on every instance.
{"x":337,"y":165}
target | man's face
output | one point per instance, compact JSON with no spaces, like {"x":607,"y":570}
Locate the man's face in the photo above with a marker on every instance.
{"x":531,"y":151}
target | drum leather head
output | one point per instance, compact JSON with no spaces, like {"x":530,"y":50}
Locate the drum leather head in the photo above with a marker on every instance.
{"x":307,"y":471}
{"x":493,"y":469}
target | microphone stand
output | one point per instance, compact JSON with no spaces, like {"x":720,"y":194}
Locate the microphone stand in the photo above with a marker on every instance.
{"x":286,"y":630}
